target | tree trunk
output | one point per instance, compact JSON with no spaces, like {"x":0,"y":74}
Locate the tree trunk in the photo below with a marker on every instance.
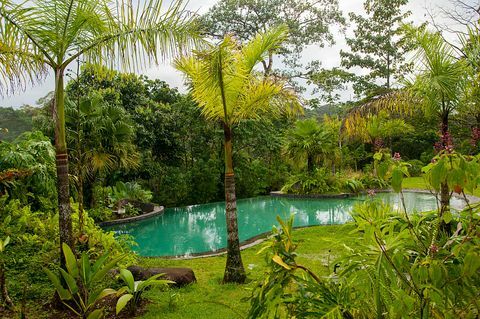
{"x":310,"y":166}
{"x":64,"y":210}
{"x":444,"y":190}
{"x":234,"y":270}
{"x":81,"y":218}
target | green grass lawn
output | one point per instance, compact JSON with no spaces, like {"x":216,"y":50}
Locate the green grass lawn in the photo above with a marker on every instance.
{"x":420,"y":183}
{"x":208,"y":298}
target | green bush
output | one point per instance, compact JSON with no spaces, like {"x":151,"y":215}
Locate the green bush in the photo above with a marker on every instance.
{"x":34,"y":245}
{"x":416,"y":168}
{"x":318,"y":182}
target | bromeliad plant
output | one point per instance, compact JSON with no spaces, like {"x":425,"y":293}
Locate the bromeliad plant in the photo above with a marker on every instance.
{"x":77,"y":285}
{"x":134,"y":290}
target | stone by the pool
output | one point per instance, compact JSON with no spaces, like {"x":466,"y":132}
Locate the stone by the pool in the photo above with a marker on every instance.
{"x":181,"y":276}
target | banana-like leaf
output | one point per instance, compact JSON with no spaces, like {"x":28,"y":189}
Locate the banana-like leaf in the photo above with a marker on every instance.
{"x":85,"y":269}
{"x":100,"y":273}
{"x":99,"y":295}
{"x":99,"y":263}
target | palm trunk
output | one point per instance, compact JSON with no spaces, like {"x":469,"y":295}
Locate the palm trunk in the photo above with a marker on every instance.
{"x":81,"y":218}
{"x":64,"y":210}
{"x":234,"y":270}
{"x":310,"y":166}
{"x":444,"y":190}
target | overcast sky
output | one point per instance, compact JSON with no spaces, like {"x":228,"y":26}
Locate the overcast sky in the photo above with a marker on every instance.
{"x":328,"y":56}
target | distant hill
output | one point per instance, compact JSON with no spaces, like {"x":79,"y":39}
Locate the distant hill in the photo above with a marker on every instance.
{"x":16,"y":121}
{"x":327,"y":109}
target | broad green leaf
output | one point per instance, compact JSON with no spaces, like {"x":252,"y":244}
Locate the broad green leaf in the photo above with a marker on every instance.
{"x":70,"y":260}
{"x":6,"y":242}
{"x":127,"y":277}
{"x":85,"y":271}
{"x":471,"y":263}
{"x":447,"y":217}
{"x":397,"y":179}
{"x":99,"y":263}
{"x":63,"y":293}
{"x":96,"y":314}
{"x":72,"y":285}
{"x":100,"y":273}
{"x":122,"y":302}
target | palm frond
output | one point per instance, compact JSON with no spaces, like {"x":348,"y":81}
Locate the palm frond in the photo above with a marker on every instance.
{"x":263,"y":44}
{"x":141,"y":33}
{"x":225,"y":86}
{"x":21,"y":62}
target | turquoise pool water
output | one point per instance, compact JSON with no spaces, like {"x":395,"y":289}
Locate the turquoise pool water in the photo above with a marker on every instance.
{"x":201,"y":228}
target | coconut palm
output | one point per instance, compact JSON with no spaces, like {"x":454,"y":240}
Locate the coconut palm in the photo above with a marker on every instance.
{"x":41,"y":35}
{"x":228,"y":90}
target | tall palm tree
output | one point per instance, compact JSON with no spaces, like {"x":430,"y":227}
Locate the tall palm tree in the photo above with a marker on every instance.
{"x":38,"y":35}
{"x":228,"y":90}
{"x":437,"y":89}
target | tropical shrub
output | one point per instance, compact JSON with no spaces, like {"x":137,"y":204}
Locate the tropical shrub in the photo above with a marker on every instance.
{"x":134,"y":289}
{"x":78,"y":285}
{"x":33,"y":246}
{"x":27,"y":170}
{"x":131,"y":191}
{"x":415,"y":168}
{"x":4,"y":297}
{"x":320,"y":181}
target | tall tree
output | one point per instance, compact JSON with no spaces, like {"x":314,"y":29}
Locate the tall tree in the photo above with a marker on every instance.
{"x":438,"y":88}
{"x":309,"y":22}
{"x":38,"y":35}
{"x":377,"y":46}
{"x":228,"y":90}
{"x":100,"y":137}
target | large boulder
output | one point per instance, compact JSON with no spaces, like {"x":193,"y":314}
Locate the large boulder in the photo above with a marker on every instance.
{"x":181,"y":276}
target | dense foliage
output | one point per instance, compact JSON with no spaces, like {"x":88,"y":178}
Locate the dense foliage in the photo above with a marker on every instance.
{"x":105,"y":144}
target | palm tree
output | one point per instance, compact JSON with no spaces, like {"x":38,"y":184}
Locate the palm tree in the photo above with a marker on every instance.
{"x":310,"y":142}
{"x":101,"y":140}
{"x":437,"y":89}
{"x":228,"y":90}
{"x":50,"y":34}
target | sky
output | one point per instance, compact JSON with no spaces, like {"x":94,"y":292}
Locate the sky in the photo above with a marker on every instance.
{"x":329,"y":56}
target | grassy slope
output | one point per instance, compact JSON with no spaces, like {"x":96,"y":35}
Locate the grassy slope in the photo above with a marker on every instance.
{"x":318,"y":247}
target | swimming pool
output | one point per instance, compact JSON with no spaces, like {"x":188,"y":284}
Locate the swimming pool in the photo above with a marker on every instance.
{"x":201,"y":228}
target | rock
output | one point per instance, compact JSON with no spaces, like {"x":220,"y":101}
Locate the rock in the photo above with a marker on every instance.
{"x":181,"y":276}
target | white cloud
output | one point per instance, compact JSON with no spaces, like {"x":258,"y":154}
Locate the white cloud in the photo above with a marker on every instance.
{"x":329,"y":56}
